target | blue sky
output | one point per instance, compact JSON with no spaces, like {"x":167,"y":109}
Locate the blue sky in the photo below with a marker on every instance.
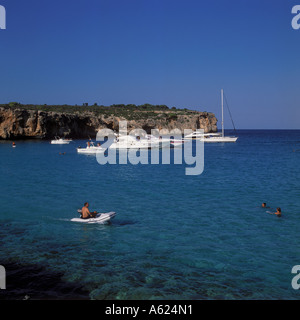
{"x":174,"y":52}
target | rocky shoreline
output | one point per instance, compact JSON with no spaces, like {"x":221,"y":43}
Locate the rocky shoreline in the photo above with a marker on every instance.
{"x":19,"y":123}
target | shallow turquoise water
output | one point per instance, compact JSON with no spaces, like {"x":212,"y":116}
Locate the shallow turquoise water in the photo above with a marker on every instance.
{"x":174,"y":236}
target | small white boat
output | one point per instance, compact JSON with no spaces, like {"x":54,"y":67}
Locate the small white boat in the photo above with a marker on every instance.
{"x":100,"y":218}
{"x":59,"y":140}
{"x":91,"y":148}
{"x":213,"y":137}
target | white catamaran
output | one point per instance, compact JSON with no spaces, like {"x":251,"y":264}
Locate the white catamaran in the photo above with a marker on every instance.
{"x":213,"y":137}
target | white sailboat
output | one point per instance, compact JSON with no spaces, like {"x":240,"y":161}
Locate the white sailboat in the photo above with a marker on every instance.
{"x":213,"y":137}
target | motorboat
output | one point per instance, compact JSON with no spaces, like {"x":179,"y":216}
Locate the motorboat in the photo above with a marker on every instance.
{"x":147,"y":141}
{"x":91,"y":148}
{"x":59,"y":140}
{"x":139,"y":142}
{"x":99,"y":218}
{"x":165,"y":141}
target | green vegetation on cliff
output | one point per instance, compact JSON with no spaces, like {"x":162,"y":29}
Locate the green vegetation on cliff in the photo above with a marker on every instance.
{"x":129,"y":111}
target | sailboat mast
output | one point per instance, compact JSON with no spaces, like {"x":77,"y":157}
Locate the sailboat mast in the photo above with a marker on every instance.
{"x":222,"y":113}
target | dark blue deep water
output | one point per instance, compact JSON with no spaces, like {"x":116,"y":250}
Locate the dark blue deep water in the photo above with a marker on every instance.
{"x":174,"y":236}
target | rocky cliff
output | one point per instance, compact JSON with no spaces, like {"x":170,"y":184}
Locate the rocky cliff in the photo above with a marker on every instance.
{"x":23,"y":124}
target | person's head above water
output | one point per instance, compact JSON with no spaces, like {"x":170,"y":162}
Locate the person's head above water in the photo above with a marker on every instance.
{"x":86,"y":204}
{"x":278,"y":212}
{"x":264,"y":205}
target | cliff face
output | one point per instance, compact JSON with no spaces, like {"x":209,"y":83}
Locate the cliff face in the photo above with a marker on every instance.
{"x":24,"y":124}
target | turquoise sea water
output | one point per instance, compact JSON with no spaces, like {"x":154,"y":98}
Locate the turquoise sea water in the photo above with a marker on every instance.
{"x":174,"y":236}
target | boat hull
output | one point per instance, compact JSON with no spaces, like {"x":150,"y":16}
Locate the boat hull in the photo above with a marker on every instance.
{"x":125,"y":146}
{"x":214,"y":139}
{"x":90,"y":150}
{"x":225,"y":139}
{"x":60,"y":141}
{"x":100,"y":218}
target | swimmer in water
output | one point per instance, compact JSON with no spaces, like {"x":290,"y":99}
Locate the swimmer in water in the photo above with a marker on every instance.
{"x":264,"y":205}
{"x":278,"y":212}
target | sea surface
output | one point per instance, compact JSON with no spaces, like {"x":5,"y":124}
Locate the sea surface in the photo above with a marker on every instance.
{"x":174,"y":237}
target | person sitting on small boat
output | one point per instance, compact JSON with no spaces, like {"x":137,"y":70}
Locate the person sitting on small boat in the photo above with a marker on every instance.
{"x":278,"y":212}
{"x":85,"y":212}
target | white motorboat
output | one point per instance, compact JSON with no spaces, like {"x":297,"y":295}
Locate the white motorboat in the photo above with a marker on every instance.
{"x":59,"y":140}
{"x":213,"y":137}
{"x":99,"y":218}
{"x":127,"y":142}
{"x":164,"y":141}
{"x":90,"y":148}
{"x":138,"y":142}
{"x":145,"y":142}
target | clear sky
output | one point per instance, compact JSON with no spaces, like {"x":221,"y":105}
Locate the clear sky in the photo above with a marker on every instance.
{"x":174,"y":52}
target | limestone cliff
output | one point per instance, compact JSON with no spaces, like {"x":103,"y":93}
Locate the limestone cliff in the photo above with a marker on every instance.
{"x":20,"y":123}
